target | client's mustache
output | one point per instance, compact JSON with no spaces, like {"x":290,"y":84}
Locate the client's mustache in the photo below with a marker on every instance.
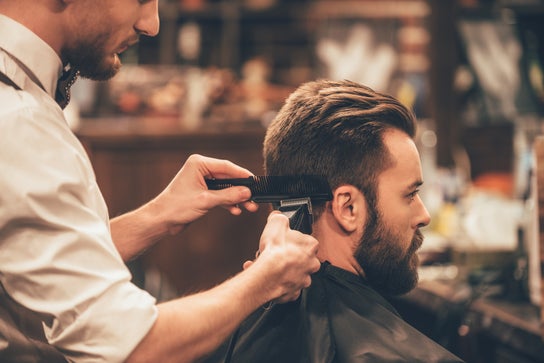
{"x":417,"y":241}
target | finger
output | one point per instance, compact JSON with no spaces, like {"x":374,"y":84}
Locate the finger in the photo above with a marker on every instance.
{"x":234,"y":210}
{"x":310,"y":244}
{"x":247,"y":264}
{"x":250,"y":206}
{"x":237,"y":210}
{"x":231,"y":196}
{"x":288,"y":297}
{"x":307,"y":282}
{"x":313,"y":247}
{"x":220,"y":168}
{"x":275,"y":229}
{"x":316,"y":265}
{"x":277,"y":220}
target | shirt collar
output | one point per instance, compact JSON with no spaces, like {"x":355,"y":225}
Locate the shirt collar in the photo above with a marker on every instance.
{"x":44,"y":63}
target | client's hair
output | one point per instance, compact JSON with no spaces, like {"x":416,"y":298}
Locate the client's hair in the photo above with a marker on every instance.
{"x":335,"y":128}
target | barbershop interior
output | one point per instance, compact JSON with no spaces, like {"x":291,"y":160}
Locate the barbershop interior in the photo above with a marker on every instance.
{"x":472,"y":71}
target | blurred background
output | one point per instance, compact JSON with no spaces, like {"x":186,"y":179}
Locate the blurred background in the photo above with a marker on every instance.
{"x":472,"y":71}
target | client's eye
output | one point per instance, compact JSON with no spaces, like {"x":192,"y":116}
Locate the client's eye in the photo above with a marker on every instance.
{"x":412,"y":195}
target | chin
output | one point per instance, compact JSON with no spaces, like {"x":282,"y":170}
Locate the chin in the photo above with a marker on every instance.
{"x":105,"y":71}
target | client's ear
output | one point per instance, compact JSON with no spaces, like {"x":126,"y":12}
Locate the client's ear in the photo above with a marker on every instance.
{"x":349,"y":207}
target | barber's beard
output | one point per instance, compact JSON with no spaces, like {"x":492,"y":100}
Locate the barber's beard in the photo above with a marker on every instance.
{"x":388,"y":268}
{"x":92,"y":60}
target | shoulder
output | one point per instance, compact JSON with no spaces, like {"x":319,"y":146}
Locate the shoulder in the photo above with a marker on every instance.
{"x":26,"y":102}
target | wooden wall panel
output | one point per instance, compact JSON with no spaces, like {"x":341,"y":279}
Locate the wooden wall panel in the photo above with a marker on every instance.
{"x":133,"y":165}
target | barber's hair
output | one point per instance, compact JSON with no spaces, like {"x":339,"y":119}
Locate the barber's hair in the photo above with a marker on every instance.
{"x":335,"y":129}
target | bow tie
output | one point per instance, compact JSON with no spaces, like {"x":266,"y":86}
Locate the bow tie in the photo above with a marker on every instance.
{"x":62,"y":95}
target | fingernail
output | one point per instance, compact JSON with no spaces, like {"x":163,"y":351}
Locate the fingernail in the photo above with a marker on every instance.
{"x":246,"y":193}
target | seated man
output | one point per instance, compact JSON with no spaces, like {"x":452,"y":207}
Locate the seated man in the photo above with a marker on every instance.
{"x":362,"y":142}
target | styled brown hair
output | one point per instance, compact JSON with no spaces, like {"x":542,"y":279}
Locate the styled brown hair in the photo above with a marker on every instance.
{"x":335,"y":129}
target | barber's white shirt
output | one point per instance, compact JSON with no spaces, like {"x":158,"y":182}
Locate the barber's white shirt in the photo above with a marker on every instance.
{"x":56,"y":252}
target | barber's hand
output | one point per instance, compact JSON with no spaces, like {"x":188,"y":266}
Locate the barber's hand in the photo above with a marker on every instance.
{"x":187,"y":197}
{"x":289,"y":257}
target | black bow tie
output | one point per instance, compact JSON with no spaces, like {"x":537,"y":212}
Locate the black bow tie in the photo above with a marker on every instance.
{"x":62,"y":95}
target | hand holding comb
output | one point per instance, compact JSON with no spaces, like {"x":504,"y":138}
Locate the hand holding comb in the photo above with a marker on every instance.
{"x":291,"y":194}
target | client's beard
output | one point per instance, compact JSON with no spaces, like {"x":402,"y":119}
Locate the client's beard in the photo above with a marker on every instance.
{"x":387,"y":267}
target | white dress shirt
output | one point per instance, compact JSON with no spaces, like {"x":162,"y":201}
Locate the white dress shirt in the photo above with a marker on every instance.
{"x":57,"y":256}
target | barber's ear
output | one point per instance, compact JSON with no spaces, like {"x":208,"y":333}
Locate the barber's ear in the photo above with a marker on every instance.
{"x":349,"y":207}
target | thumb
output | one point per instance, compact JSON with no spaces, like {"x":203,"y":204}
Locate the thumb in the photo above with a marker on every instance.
{"x":231,"y":196}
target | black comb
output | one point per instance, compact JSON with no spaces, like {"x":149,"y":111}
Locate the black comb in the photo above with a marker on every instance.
{"x":270,"y":189}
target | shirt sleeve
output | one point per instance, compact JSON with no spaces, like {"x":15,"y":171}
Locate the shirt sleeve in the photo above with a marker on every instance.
{"x":56,"y":253}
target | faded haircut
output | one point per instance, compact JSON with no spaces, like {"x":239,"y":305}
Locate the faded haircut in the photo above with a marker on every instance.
{"x":335,"y":129}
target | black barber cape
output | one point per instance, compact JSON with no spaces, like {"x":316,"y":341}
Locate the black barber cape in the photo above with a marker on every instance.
{"x":339,"y":319}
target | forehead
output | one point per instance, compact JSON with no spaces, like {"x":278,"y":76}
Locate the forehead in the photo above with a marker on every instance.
{"x":405,"y":169}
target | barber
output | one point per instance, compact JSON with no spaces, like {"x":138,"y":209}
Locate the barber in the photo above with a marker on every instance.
{"x":65,"y":290}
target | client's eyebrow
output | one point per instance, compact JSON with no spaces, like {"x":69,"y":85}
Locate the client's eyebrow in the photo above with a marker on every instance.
{"x":415,"y":185}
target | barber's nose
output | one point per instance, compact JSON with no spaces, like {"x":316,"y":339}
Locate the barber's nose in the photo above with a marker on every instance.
{"x":149,"y":22}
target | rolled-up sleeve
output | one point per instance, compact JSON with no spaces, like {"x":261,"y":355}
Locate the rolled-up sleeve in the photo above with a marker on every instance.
{"x":56,"y":253}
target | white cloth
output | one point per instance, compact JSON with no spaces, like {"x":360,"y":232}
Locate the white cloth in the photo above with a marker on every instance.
{"x":56,"y":252}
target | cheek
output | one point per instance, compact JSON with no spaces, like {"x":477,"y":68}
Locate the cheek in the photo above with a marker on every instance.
{"x":397,"y":215}
{"x":400,"y":227}
{"x":395,"y":211}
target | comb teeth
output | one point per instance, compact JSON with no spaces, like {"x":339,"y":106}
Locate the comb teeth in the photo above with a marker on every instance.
{"x":267,"y":189}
